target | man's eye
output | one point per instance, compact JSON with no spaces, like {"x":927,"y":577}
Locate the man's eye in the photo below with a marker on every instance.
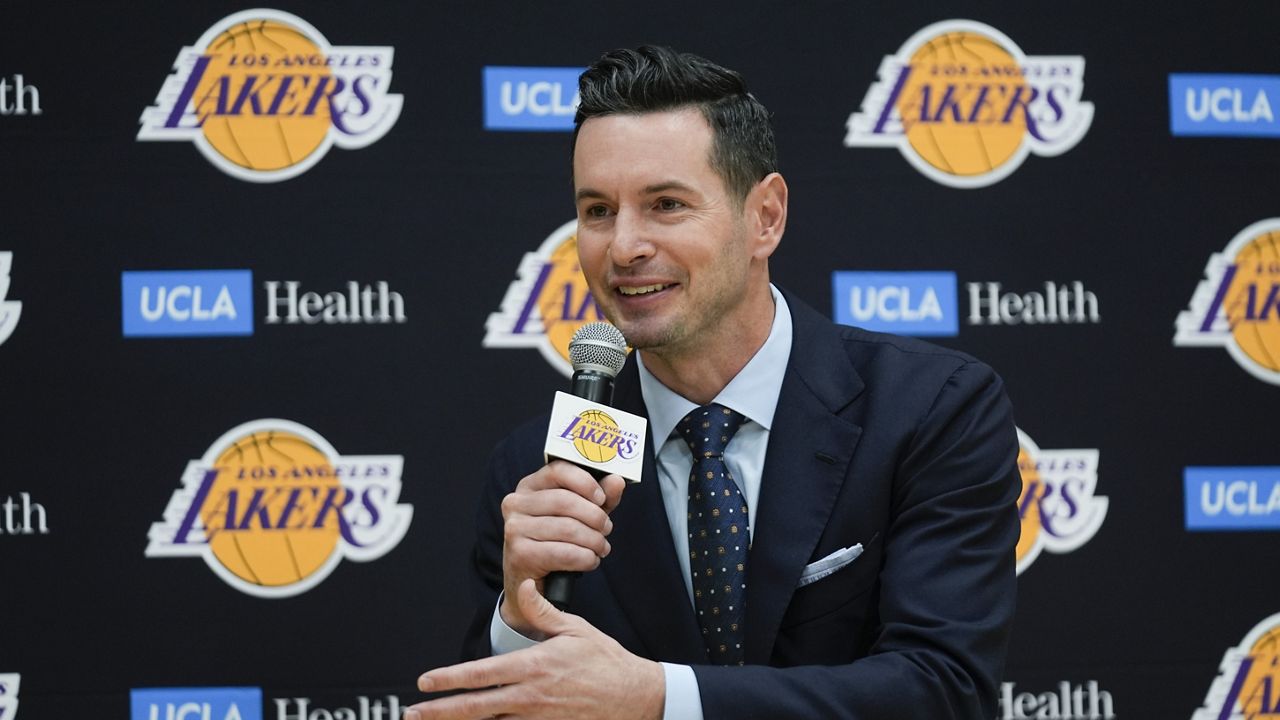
{"x":667,"y":204}
{"x":597,"y":211}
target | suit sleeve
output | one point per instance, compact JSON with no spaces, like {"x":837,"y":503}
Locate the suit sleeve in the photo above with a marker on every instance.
{"x":947,"y":582}
{"x":486,"y":561}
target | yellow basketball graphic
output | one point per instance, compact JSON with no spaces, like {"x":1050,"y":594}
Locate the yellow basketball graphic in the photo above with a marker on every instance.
{"x":566,"y":303}
{"x":271,"y":464}
{"x":1031,"y":516}
{"x":1255,"y":323}
{"x":596,"y":420}
{"x":1265,"y":671}
{"x":962,"y":61}
{"x":242,"y":59}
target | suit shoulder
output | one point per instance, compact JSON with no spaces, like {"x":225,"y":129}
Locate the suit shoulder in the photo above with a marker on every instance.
{"x":868,"y":349}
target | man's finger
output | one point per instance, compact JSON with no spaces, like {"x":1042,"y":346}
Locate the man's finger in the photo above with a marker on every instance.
{"x":555,"y":502}
{"x":541,"y":614}
{"x":613,"y":485}
{"x":476,"y":705}
{"x":483,"y":673}
{"x":559,"y":473}
{"x":558,"y":529}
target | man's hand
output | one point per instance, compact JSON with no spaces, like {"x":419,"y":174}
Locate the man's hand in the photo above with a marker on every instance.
{"x":556,"y":519}
{"x":578,"y":673}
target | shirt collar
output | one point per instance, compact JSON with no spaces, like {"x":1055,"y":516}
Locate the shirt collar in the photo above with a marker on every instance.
{"x":752,"y":392}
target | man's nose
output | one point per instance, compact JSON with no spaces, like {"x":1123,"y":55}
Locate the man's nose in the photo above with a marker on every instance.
{"x":631,"y":243}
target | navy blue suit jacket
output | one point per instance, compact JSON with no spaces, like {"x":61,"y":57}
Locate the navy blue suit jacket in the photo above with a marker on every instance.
{"x":902,"y":446}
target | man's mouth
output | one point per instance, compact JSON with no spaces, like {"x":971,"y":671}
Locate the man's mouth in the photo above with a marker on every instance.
{"x":641,"y":289}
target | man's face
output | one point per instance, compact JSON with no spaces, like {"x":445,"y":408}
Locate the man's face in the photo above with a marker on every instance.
{"x":663,"y":247}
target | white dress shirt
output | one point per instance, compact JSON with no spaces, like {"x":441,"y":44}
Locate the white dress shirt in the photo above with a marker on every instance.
{"x":752,"y":392}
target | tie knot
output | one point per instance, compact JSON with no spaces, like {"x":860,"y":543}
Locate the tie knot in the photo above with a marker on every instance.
{"x":709,"y":429}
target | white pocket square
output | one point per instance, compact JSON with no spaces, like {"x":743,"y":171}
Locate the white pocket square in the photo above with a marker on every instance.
{"x":815,"y":571}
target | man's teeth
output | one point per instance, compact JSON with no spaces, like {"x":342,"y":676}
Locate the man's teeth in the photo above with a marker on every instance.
{"x":641,"y":290}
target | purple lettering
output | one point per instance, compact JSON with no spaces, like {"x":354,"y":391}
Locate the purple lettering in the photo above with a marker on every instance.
{"x":1251,"y":309}
{"x":980,"y":103}
{"x":188,"y":90}
{"x":568,"y":432}
{"x":249,"y":92}
{"x":285,"y":93}
{"x":527,"y":311}
{"x":256,"y":507}
{"x":319,"y":94}
{"x":361,"y":96}
{"x":1218,"y":298}
{"x":331,"y":504}
{"x":891,"y":103}
{"x":1017,"y":101}
{"x":197,"y":503}
{"x":947,"y":102}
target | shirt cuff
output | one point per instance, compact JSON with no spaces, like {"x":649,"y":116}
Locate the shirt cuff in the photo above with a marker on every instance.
{"x":502,"y":639}
{"x":683,"y":701}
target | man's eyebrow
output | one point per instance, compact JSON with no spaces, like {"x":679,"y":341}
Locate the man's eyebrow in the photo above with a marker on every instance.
{"x":593,"y":194}
{"x":668,"y":185}
{"x":586,"y":192}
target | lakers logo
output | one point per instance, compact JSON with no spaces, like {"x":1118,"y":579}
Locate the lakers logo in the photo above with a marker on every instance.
{"x":597,"y":437}
{"x":1248,"y":682}
{"x":1057,"y":507}
{"x":547,"y":303}
{"x":272,"y":508}
{"x":264,"y":96}
{"x":965,"y":106}
{"x":1237,"y":305}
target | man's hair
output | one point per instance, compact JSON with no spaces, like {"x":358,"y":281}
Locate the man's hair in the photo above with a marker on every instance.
{"x":655,"y":79}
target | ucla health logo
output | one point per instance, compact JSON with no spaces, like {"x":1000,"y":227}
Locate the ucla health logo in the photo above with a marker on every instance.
{"x":24,"y":100}
{"x":1058,"y":508}
{"x":547,"y":303}
{"x":907,"y":303}
{"x":10,"y":310}
{"x":9,"y":683}
{"x":1072,"y":701}
{"x":1232,"y":498}
{"x":187,"y":303}
{"x":965,"y":106}
{"x":530,"y":98}
{"x":1223,"y":105}
{"x":272,"y":508}
{"x":210,"y":703}
{"x":263,"y":96}
{"x":1237,"y":305}
{"x":1248,"y":682}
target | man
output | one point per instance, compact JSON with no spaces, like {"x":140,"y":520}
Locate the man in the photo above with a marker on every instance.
{"x":873,"y":479}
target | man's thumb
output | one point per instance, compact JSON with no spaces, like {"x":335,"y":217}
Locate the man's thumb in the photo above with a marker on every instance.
{"x":539,"y":612}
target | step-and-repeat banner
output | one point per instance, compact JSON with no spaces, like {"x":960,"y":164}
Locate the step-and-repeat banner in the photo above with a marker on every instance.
{"x":274,"y":281}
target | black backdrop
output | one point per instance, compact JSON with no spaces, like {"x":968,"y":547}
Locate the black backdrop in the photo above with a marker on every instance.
{"x":98,"y":428}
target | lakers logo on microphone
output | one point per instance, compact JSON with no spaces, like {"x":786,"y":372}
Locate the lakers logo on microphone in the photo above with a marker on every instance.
{"x":965,"y":106}
{"x":272,"y":508}
{"x":1237,"y":305}
{"x":597,"y":437}
{"x":547,"y":302}
{"x":263,"y":96}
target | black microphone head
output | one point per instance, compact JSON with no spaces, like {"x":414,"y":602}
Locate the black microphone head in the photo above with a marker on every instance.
{"x":598,"y":347}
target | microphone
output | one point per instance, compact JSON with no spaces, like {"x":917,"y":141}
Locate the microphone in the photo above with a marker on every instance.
{"x":597,"y":352}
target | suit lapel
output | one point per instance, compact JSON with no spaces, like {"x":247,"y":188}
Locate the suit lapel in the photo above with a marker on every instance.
{"x":642,"y":569}
{"x":810,"y":449}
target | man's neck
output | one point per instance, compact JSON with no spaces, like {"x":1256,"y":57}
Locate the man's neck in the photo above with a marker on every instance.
{"x":700,"y":373}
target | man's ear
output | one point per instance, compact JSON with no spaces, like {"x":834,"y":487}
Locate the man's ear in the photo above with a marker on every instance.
{"x":767,"y":215}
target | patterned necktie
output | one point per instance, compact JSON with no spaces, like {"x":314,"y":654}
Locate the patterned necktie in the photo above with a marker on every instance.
{"x":719,"y":533}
